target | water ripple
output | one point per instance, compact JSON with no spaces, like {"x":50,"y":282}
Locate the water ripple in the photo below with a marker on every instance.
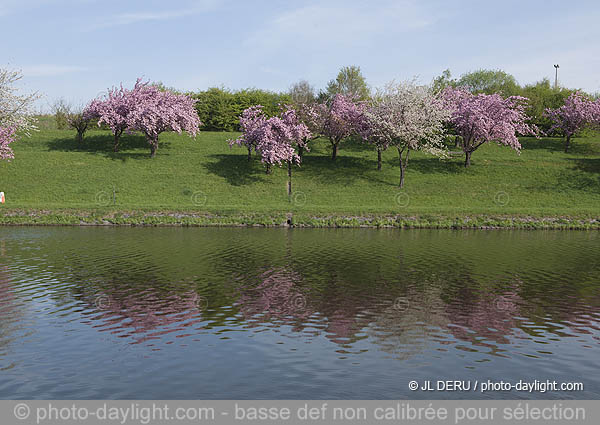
{"x":275,"y":313}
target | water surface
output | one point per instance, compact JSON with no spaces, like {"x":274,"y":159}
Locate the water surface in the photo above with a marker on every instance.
{"x":210,"y":313}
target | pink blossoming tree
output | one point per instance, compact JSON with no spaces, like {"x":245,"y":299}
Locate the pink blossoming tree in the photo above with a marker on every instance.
{"x":79,"y":120}
{"x":338,"y":120}
{"x":114,"y":109}
{"x":308,"y":114}
{"x":275,"y":139}
{"x":484,"y":118}
{"x":577,"y":113}
{"x":155,"y":111}
{"x":251,"y":122}
{"x":408,"y":117}
{"x":280,"y":136}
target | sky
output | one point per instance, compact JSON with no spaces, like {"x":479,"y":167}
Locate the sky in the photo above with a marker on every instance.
{"x":76,"y":49}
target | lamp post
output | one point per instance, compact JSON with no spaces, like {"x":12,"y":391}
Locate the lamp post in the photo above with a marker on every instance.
{"x":556,"y":76}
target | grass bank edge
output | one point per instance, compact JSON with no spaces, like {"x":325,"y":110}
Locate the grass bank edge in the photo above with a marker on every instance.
{"x":91,"y":217}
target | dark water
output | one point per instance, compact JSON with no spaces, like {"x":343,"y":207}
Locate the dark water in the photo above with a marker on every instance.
{"x":285,"y":314}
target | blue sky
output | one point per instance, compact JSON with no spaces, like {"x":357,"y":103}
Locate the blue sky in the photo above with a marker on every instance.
{"x":75,"y":49}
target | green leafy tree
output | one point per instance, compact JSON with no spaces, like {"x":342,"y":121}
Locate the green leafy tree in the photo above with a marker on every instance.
{"x":349,"y":82}
{"x":61,"y":110}
{"x":444,"y":80}
{"x":489,"y":82}
{"x":219,"y":109}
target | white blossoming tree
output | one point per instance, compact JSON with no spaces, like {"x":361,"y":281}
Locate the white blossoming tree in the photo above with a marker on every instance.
{"x":16,"y":111}
{"x":406,"y":116}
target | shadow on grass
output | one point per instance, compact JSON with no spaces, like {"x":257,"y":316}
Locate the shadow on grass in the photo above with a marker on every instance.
{"x":578,"y":182}
{"x":322,"y":146}
{"x":343,"y":170}
{"x":355,"y":144}
{"x":103,"y":145}
{"x":236,"y":169}
{"x":589,"y":165}
{"x":420,"y":165}
{"x":579,"y":146}
{"x":434,"y":165}
{"x":584,"y":176}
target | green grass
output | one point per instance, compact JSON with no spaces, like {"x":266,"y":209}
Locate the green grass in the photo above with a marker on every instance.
{"x":204,"y":178}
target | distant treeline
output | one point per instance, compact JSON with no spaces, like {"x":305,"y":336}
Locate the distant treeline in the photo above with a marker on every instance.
{"x":541,"y":95}
{"x":219,"y":108}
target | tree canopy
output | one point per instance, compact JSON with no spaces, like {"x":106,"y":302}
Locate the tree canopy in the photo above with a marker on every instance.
{"x":408,"y":117}
{"x":16,"y":111}
{"x":575,"y":114}
{"x":483,"y":118}
{"x":349,"y":82}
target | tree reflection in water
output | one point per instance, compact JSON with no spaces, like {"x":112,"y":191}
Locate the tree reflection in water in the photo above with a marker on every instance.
{"x":142,"y":312}
{"x":278,"y":295}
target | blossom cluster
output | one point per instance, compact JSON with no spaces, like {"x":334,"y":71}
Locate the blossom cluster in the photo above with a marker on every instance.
{"x":155,"y":111}
{"x":275,"y":138}
{"x":16,"y":110}
{"x":577,"y":113}
{"x":251,"y":121}
{"x":338,"y":119}
{"x":405,"y":115}
{"x":482,"y":118}
{"x":7,"y":136}
{"x":145,"y":108}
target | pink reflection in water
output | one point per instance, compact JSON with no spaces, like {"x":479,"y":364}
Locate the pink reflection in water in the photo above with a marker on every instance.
{"x":148,"y":315}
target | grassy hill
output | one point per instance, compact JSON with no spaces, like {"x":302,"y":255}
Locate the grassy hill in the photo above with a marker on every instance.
{"x":53,"y":176}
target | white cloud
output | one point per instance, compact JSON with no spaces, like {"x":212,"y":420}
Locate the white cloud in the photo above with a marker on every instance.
{"x":132,"y":18}
{"x":10,"y":7}
{"x":49,"y":70}
{"x":338,"y":24}
{"x":197,"y":7}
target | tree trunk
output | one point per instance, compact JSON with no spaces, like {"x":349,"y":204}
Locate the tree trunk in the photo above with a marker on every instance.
{"x":116,"y":142}
{"x":568,"y":143}
{"x":401,"y":185}
{"x":300,"y":152}
{"x":403,"y":165}
{"x":456,"y":141}
{"x":80,"y":135}
{"x":467,"y":159}
{"x":289,"y":178}
{"x":334,"y":150}
{"x":378,"y":159}
{"x":153,"y":147}
{"x":249,"y":154}
{"x":268,"y":170}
